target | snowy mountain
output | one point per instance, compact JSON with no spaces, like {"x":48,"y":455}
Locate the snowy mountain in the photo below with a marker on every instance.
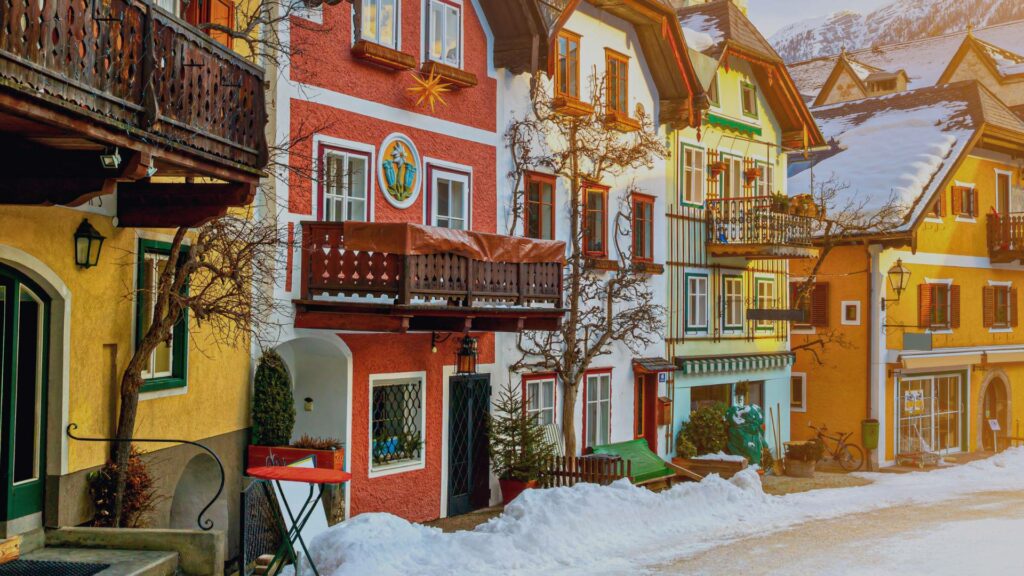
{"x":900,"y":21}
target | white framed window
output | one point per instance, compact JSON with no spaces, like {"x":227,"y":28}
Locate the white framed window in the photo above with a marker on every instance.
{"x":160,"y":363}
{"x":731,"y":181}
{"x":397,"y":442}
{"x":692,"y":182}
{"x":732,"y":314}
{"x":540,"y":398}
{"x":696,"y":302}
{"x":766,"y":300}
{"x":444,"y":32}
{"x":346,"y":184}
{"x":798,"y":392}
{"x":172,"y":6}
{"x":599,"y":408}
{"x":851,"y":313}
{"x":379,"y":22}
{"x":766,"y":183}
{"x":449,"y":198}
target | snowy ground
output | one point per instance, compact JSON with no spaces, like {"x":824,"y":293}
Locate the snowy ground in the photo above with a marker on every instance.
{"x":622,"y":529}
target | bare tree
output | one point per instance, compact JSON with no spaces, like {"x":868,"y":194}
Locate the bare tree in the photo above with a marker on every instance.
{"x":842,"y":220}
{"x":607,"y":306}
{"x":212,"y":272}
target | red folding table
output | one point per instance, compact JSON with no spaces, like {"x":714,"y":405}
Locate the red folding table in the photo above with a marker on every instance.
{"x":315,"y":478}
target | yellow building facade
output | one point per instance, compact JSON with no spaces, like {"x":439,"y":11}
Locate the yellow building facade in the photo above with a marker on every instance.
{"x":938,"y":359}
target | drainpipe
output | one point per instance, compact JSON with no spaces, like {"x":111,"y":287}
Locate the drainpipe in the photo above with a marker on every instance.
{"x":877,"y":347}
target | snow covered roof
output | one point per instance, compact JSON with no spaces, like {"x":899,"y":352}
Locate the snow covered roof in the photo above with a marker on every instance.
{"x":708,"y":26}
{"x":1007,"y":63}
{"x":900,"y":146}
{"x":924,"y":60}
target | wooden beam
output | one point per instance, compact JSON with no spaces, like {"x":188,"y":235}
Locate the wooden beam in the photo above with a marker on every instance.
{"x":350,"y":321}
{"x":147,"y":204}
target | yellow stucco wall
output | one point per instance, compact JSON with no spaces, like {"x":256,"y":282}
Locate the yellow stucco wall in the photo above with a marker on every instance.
{"x":837,"y":379}
{"x":101,"y":324}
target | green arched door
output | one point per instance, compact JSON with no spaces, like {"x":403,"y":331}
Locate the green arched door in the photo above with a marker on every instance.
{"x":24,"y":323}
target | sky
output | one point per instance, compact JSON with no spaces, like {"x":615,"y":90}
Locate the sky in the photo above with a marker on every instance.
{"x":770,"y":15}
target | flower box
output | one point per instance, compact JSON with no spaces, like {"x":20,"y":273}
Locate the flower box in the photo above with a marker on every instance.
{"x":456,"y":77}
{"x":752,"y":174}
{"x":569,"y":106}
{"x":704,"y":466}
{"x":384,"y":56}
{"x":285,"y":455}
{"x":621,"y":122}
{"x":716,"y":168}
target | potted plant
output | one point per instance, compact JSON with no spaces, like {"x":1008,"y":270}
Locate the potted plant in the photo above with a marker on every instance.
{"x":752,"y":174}
{"x":519,"y":449}
{"x":701,"y":443}
{"x":273,"y":418}
{"x":717,"y":167}
{"x":801,"y":458}
{"x":803,"y":205}
{"x":780,"y":203}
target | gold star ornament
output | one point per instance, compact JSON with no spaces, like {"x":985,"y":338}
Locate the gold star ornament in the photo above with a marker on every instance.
{"x":428,"y":90}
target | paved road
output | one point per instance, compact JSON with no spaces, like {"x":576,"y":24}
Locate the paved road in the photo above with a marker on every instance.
{"x":975,"y":536}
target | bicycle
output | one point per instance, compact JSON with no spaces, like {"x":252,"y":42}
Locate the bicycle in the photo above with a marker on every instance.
{"x":849,"y":456}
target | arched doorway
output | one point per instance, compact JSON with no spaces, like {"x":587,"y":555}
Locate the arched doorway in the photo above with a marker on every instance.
{"x":319,"y":373}
{"x":994,"y":406}
{"x":24,"y":362}
{"x":196,"y":486}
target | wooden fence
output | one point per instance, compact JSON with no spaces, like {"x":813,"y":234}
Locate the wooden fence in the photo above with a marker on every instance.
{"x":569,"y":470}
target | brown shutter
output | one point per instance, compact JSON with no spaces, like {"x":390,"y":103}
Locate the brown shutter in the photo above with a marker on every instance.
{"x":924,"y":305}
{"x":1013,"y":307}
{"x":819,"y":305}
{"x":942,"y":205}
{"x":988,"y":306}
{"x":974,"y":202}
{"x":954,"y":306}
{"x":954,"y":192}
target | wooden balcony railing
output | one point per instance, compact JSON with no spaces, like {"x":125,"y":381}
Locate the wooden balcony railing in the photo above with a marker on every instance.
{"x":328,"y":268}
{"x":1005,"y":237}
{"x":751,"y":223}
{"x":136,"y":68}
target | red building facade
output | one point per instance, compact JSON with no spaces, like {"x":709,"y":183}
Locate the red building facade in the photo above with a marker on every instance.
{"x":372,"y":344}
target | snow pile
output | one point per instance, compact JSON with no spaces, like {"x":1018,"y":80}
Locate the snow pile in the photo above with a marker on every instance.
{"x":701,"y":32}
{"x":589,"y":529}
{"x":895,"y":153}
{"x":697,"y":40}
{"x":720,"y":456}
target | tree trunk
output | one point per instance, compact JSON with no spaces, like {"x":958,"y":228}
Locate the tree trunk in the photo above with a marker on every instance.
{"x":569,"y":418}
{"x":130,"y":384}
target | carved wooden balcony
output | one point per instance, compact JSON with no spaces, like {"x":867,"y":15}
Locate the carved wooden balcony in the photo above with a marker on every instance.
{"x":354,"y":286}
{"x":1005,"y":237}
{"x":748,"y":227}
{"x":77,"y":75}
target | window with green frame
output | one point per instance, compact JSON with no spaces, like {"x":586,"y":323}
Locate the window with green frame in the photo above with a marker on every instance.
{"x":696,"y":303}
{"x":748,"y":99}
{"x":766,"y":300}
{"x":168,"y":365}
{"x":732,"y":302}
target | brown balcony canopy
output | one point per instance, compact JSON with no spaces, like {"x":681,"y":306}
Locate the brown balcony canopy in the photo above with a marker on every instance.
{"x":417,"y":239}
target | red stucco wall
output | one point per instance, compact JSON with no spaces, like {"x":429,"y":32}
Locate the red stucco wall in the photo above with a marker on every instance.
{"x":413,"y":495}
{"x":371,"y":131}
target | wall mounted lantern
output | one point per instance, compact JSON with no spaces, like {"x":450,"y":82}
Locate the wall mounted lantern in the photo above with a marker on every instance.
{"x":465,"y":358}
{"x":88,"y":244}
{"x":899,"y":280}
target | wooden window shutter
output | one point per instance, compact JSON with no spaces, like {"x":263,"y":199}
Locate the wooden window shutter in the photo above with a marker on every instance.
{"x":1013,"y":307}
{"x":819,"y":305}
{"x":954,"y":306}
{"x":957,"y":199}
{"x":988,"y":305}
{"x":974,"y":202}
{"x":942,"y":205}
{"x":924,"y":305}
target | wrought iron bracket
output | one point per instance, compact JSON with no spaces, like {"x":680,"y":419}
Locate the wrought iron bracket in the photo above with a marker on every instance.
{"x":203,"y":523}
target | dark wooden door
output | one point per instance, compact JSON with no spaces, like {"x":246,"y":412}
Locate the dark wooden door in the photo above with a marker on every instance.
{"x":469,"y":401}
{"x":994,"y":408}
{"x":645,"y":401}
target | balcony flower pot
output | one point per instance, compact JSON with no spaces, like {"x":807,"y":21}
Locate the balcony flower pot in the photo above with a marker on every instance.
{"x":716,"y":168}
{"x":511,"y":488}
{"x":780,"y":203}
{"x":803,"y":205}
{"x":752,"y":174}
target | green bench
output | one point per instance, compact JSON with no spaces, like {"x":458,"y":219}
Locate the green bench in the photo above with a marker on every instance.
{"x":646,"y":467}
